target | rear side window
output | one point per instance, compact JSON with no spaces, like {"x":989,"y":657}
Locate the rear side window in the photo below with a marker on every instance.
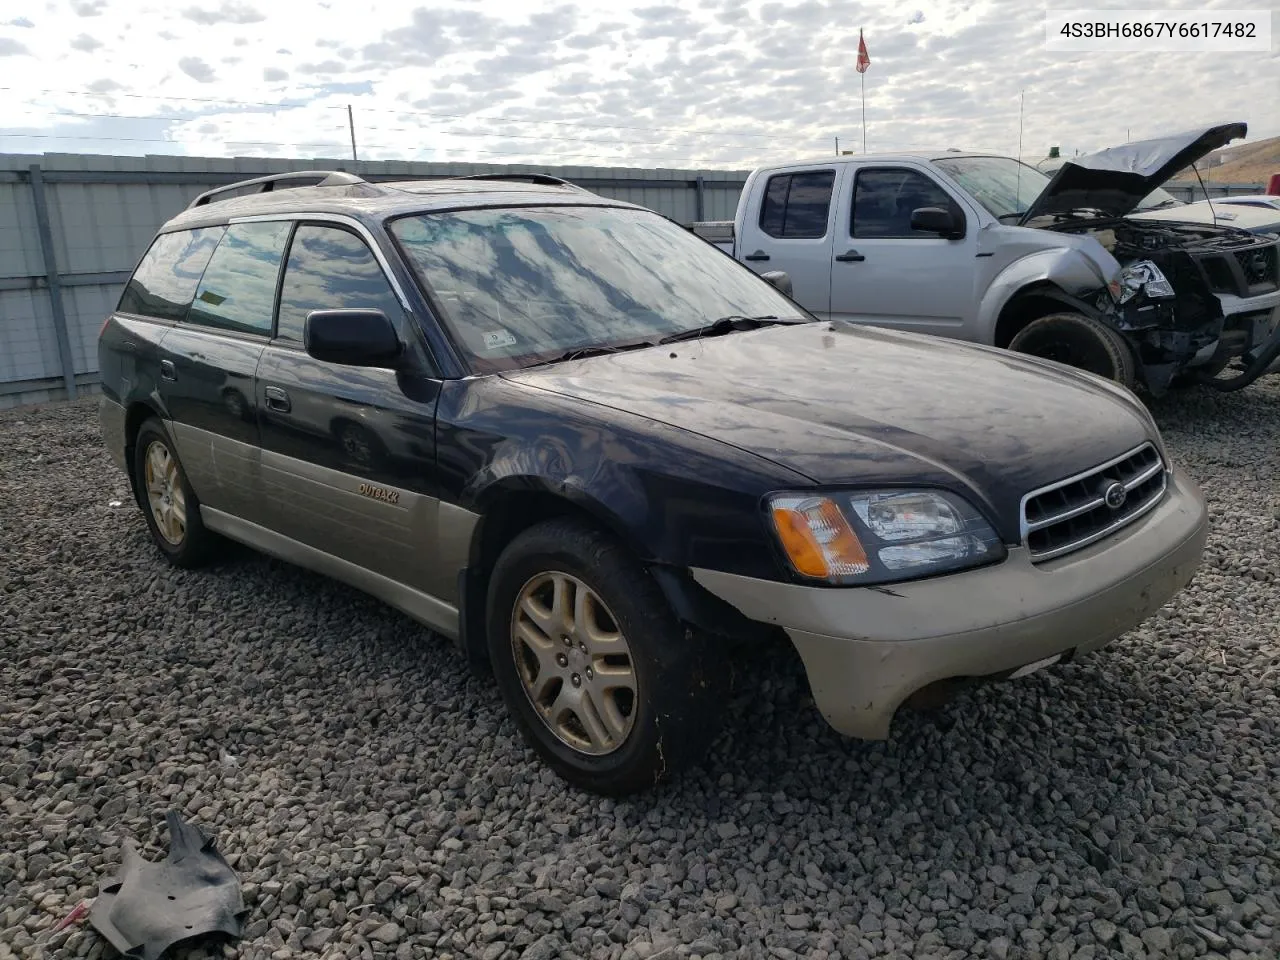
{"x":330,"y":269}
{"x":883,"y":200}
{"x":238,"y":289}
{"x":796,"y":205}
{"x":166,"y":279}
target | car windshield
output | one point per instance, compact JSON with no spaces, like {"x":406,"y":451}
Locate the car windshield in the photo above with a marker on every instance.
{"x":1003,"y":185}
{"x":530,"y":284}
{"x":1158,"y":199}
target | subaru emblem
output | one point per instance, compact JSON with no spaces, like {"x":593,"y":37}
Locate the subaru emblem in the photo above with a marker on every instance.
{"x":1114,"y":494}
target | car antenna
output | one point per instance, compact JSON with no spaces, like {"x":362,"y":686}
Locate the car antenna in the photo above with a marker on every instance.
{"x":1207,"y":199}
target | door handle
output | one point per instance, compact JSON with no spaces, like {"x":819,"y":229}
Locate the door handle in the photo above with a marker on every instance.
{"x":850,"y":256}
{"x":167,"y":370}
{"x":758,"y":255}
{"x":277,"y":399}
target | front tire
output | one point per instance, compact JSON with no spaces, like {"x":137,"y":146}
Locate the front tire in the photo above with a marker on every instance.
{"x":1078,"y":341}
{"x":598,"y":673}
{"x":169,"y":504}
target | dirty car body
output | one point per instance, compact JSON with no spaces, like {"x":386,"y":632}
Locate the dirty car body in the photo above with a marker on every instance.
{"x":902,"y":509}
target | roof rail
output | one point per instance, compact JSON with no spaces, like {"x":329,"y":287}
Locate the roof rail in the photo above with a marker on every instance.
{"x":325,"y":178}
{"x":544,"y":179}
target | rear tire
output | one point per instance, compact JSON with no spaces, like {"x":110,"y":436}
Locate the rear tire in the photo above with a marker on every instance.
{"x":170,"y":506}
{"x":598,"y":673}
{"x":1078,"y":341}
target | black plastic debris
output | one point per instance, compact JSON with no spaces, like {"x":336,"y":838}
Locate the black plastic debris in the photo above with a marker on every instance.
{"x":151,"y":906}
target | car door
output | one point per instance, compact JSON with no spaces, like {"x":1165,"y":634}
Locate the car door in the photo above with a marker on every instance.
{"x":209,"y":360}
{"x":348,"y":453}
{"x":787,"y":225}
{"x":886,"y":273}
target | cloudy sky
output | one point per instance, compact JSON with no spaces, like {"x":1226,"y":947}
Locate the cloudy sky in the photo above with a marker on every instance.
{"x":720,"y":83}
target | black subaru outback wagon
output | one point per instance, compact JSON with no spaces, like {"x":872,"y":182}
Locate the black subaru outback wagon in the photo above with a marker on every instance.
{"x":602,"y":456}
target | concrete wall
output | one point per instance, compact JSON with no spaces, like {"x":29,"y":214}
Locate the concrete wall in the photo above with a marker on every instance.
{"x":102,"y":211}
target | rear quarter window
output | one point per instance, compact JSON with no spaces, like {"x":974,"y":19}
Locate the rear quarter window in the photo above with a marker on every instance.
{"x":165,"y":282}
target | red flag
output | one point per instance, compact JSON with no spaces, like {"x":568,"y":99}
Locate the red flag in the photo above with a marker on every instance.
{"x":864,"y":59}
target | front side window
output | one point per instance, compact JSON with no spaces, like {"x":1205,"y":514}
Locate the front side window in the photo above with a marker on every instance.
{"x":238,"y":289}
{"x":330,"y":269}
{"x":526,"y":285}
{"x":883,"y":200}
{"x":165,"y":281}
{"x":796,"y":205}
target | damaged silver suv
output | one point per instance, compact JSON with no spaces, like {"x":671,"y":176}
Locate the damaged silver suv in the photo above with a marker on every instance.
{"x":988,"y":249}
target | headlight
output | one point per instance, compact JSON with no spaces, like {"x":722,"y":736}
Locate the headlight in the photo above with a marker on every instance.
{"x":1143,"y":274}
{"x":874,"y":536}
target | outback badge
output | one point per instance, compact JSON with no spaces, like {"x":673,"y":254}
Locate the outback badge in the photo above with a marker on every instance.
{"x":380,"y":493}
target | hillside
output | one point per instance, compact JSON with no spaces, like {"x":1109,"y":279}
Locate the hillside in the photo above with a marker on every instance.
{"x":1247,"y":163}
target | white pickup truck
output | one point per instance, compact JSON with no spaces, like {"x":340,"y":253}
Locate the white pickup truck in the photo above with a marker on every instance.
{"x":988,"y":249}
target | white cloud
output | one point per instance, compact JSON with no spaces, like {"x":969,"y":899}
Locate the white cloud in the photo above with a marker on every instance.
{"x":197,"y":69}
{"x":611,"y":82}
{"x":88,"y":8}
{"x":86,"y":43}
{"x":229,"y":11}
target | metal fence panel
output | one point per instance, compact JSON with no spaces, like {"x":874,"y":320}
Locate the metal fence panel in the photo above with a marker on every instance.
{"x":28,"y":344}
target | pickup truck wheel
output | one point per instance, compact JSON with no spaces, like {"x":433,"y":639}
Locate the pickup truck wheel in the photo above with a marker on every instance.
{"x":598,"y":673}
{"x":167,"y":500}
{"x":1078,"y":341}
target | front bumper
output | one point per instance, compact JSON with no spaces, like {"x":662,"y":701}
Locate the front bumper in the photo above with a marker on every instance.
{"x":867,"y":649}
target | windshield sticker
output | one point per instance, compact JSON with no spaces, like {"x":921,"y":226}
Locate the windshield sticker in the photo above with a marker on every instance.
{"x":496,"y":339}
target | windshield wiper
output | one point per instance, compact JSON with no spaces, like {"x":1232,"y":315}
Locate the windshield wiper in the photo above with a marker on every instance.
{"x":728,"y":325}
{"x":581,"y":353}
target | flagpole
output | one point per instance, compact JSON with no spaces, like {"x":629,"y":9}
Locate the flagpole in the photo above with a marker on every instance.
{"x":864,"y":111}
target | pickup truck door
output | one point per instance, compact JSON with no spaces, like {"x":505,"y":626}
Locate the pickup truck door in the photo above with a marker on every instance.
{"x":884,"y":272}
{"x":787,"y":224}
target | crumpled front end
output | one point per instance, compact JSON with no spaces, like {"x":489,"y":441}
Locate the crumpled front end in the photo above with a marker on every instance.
{"x":1193,"y":299}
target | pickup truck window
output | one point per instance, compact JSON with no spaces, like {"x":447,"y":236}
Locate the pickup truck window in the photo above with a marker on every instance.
{"x":1001,"y":184}
{"x":238,"y":289}
{"x":796,"y":205}
{"x":165,"y":281}
{"x":526,"y":285}
{"x":883,"y":198}
{"x":330,"y":269}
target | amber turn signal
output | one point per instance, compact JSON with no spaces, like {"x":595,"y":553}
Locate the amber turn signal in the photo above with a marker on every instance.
{"x":817,"y":538}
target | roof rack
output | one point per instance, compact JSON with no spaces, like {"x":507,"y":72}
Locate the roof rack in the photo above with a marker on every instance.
{"x":544,"y":179}
{"x":323,"y":178}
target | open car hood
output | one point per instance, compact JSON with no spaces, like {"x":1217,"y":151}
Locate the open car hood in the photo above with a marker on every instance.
{"x":1114,"y":181}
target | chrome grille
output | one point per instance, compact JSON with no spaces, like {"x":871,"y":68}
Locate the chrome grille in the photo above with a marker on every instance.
{"x":1075,"y":512}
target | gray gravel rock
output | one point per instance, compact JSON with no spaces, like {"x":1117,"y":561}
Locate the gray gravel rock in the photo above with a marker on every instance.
{"x":377,"y":803}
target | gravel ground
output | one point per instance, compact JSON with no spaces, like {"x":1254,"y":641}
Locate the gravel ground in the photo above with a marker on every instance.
{"x":375,"y":801}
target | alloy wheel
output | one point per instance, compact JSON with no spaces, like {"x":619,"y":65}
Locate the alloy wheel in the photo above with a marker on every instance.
{"x":574,"y":663}
{"x":165,"y":495}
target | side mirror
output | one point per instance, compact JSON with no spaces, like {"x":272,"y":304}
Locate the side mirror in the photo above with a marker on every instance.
{"x":937,"y":220}
{"x":779,"y":279}
{"x":356,"y":338}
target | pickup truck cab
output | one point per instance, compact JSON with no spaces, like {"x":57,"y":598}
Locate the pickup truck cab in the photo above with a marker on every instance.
{"x":601,"y":457}
{"x":987,"y":249}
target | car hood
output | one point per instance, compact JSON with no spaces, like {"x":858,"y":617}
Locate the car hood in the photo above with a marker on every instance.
{"x":844,"y":404}
{"x":1253,"y":219}
{"x":1114,"y":181}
